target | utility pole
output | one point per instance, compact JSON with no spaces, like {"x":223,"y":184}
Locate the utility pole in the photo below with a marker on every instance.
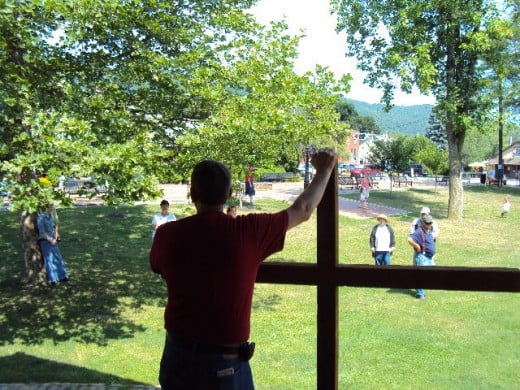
{"x":500,"y":167}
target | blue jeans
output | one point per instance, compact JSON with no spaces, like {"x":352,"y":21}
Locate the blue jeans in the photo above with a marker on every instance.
{"x":382,"y":258}
{"x":186,"y":368}
{"x":54,"y":265}
{"x":422,"y":260}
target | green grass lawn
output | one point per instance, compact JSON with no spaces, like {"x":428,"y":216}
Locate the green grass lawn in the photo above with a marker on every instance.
{"x":106,"y":325}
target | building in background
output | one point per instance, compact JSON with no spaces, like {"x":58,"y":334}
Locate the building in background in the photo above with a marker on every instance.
{"x":511,"y":158}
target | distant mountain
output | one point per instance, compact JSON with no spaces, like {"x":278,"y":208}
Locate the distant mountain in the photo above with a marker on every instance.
{"x":409,"y":120}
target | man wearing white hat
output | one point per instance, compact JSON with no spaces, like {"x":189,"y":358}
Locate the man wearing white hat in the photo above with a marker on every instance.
{"x":382,"y":241}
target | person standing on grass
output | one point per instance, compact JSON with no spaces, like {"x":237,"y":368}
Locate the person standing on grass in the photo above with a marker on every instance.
{"x":382,"y":241}
{"x":250,"y":185}
{"x":423,"y":244}
{"x":162,"y":217}
{"x":209,"y":262}
{"x":48,"y":240}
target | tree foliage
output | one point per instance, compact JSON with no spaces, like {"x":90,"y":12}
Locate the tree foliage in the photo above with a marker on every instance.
{"x":434,"y":45}
{"x":437,"y":130}
{"x":391,"y":155}
{"x":270,"y":114}
{"x":126,"y":92}
{"x":349,"y":114}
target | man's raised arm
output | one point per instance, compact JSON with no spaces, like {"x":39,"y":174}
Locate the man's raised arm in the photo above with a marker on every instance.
{"x":301,"y":210}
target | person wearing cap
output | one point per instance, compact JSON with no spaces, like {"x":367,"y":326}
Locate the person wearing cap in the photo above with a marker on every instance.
{"x":416,"y":223}
{"x":162,"y":217}
{"x":382,"y":241}
{"x":423,"y":243}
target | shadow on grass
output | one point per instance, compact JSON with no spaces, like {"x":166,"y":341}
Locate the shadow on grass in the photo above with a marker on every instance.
{"x":402,"y":291}
{"x":43,"y":371}
{"x":408,"y":200}
{"x":107,"y":261}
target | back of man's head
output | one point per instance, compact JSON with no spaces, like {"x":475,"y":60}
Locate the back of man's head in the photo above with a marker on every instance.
{"x":210,"y":183}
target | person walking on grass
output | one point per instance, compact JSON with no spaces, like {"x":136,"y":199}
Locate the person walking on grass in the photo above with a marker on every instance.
{"x":209,"y":262}
{"x":423,"y":244}
{"x":416,"y":223}
{"x":382,"y":241}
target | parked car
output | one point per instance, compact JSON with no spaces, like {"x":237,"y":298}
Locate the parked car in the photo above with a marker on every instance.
{"x":343,"y":167}
{"x":418,"y":170}
{"x":491,"y":177}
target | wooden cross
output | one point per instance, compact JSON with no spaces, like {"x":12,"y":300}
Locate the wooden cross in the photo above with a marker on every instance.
{"x":327,"y":274}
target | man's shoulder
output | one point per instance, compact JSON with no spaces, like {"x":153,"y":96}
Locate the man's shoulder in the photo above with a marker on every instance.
{"x":265,"y":216}
{"x":416,"y":233}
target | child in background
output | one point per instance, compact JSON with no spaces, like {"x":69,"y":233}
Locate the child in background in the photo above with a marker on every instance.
{"x":506,"y":206}
{"x":232,"y":211}
{"x":364,"y":193}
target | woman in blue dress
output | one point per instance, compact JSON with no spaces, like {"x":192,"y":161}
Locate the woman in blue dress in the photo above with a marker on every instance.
{"x":48,"y":239}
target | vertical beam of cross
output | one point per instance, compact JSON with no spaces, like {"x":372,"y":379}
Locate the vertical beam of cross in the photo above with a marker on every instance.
{"x":327,"y":290}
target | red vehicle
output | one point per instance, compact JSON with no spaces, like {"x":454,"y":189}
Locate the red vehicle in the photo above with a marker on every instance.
{"x":366,"y":171}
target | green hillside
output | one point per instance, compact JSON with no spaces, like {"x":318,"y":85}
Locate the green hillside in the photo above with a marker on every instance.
{"x":409,"y":120}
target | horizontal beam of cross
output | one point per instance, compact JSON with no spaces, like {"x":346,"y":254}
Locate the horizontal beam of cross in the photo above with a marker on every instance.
{"x":395,"y":276}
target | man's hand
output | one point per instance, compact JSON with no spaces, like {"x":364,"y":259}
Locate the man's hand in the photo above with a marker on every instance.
{"x":324,"y":159}
{"x":300,"y":211}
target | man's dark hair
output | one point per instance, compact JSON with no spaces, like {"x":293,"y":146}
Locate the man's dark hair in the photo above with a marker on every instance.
{"x":210,"y":183}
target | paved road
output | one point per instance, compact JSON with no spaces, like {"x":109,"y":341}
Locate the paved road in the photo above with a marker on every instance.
{"x":176,"y":193}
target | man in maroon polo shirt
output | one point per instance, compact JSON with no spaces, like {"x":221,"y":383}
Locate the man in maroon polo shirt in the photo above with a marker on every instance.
{"x":209,"y":262}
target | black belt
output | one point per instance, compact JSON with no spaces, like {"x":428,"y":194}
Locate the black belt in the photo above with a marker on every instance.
{"x":245,"y":350}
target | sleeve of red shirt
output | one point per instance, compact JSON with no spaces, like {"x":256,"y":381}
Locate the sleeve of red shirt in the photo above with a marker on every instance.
{"x":158,"y":250}
{"x":270,"y":233}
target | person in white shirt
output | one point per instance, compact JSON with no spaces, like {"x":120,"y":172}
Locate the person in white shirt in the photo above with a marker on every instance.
{"x":382,"y":241}
{"x":162,"y":217}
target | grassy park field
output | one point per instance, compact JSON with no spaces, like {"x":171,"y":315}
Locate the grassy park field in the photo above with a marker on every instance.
{"x":106,"y":324}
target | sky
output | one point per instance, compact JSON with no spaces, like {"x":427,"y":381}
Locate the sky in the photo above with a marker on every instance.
{"x":322,"y":45}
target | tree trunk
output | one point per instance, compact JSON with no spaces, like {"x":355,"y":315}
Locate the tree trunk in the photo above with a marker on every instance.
{"x":456,"y":192}
{"x":34,"y":267}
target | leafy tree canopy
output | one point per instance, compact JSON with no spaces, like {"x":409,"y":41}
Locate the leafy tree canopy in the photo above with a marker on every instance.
{"x":349,"y":114}
{"x":435,"y":45}
{"x":125,"y":92}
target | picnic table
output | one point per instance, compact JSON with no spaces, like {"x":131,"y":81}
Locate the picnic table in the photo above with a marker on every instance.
{"x":348,"y":182}
{"x":402,"y":181}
